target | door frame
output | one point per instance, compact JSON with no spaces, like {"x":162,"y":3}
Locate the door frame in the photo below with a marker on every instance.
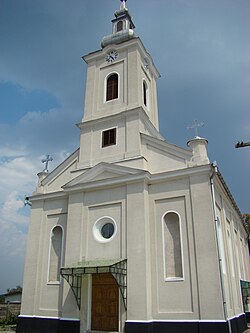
{"x":86,"y":305}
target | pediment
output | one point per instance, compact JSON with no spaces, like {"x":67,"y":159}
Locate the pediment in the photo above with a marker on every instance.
{"x":101,"y":172}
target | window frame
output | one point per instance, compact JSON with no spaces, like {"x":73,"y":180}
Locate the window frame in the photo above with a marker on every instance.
{"x":115,"y":137}
{"x":145,"y":94}
{"x":221,"y":244}
{"x":169,"y":279}
{"x":56,"y":282}
{"x":99,"y":223}
{"x":106,"y":87}
{"x":122,"y":27}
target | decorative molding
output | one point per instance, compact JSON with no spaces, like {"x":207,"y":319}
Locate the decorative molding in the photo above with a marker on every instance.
{"x":48,"y":317}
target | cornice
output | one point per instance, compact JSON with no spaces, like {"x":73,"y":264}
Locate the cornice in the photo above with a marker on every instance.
{"x":124,"y":114}
{"x":180,"y":173}
{"x":223,"y":185}
{"x":103,"y":119}
{"x":144,"y":176}
{"x":50,"y":195}
{"x":107,"y":183}
{"x":135,"y":41}
{"x":141,"y":176}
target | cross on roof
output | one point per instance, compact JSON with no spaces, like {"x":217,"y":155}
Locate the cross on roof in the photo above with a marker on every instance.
{"x":123,"y":4}
{"x":195,"y":126}
{"x":46,"y":161}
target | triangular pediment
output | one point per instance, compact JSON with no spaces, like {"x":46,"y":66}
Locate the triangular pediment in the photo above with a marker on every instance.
{"x":101,"y":172}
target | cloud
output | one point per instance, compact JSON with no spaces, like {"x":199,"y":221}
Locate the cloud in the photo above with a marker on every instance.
{"x":38,"y":133}
{"x":17,"y":174}
{"x":202,"y":54}
{"x":11,"y":207}
{"x":13,"y":225}
{"x":18,"y":178}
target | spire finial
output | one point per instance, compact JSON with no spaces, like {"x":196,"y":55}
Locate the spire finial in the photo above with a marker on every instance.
{"x":46,"y":161}
{"x":195,"y":126}
{"x":123,"y":4}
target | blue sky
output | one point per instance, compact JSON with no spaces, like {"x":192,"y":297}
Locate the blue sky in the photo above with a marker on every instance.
{"x":201,"y":48}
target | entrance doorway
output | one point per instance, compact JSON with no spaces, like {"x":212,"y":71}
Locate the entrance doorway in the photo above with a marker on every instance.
{"x":105,"y":303}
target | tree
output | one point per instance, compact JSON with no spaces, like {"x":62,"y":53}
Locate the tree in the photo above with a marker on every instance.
{"x":11,"y":290}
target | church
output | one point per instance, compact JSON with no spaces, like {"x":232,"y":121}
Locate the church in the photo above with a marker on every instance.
{"x":131,"y":233}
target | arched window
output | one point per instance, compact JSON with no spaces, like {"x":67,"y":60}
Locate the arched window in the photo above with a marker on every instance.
{"x":55,"y":254}
{"x":230,"y":252}
{"x":119,"y":26}
{"x":145,"y":92}
{"x":172,"y":246}
{"x":112,"y":87}
{"x":221,"y":245}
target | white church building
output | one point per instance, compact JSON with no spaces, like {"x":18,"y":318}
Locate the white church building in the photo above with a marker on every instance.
{"x":131,"y":233}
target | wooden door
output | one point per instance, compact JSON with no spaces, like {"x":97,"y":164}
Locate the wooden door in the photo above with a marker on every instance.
{"x":105,"y":305}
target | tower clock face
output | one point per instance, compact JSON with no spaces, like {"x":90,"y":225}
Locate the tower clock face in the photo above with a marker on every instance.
{"x":111,"y":56}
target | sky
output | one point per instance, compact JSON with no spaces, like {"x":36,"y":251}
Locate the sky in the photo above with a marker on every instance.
{"x":201,"y":48}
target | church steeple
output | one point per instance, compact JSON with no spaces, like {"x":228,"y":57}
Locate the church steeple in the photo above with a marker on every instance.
{"x":122,"y":27}
{"x":120,"y":99}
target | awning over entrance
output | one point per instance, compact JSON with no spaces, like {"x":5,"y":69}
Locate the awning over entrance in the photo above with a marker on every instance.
{"x":117,"y":267}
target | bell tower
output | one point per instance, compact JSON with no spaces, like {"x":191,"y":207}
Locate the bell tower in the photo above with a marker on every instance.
{"x":120,"y":96}
{"x":123,"y":27}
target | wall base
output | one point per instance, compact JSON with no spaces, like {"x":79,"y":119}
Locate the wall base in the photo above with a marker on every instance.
{"x":238,"y":325}
{"x":48,"y":325}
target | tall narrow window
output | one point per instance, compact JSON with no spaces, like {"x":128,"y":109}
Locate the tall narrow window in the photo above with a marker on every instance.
{"x":109,"y":137}
{"x":55,"y":254}
{"x":242,"y":258}
{"x":230,"y":252}
{"x":237,"y":253}
{"x":221,"y":245}
{"x":119,"y":26}
{"x":112,"y":87}
{"x":172,"y":246}
{"x":144,"y":93}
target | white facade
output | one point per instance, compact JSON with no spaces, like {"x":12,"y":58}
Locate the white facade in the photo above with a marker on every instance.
{"x":128,"y":196}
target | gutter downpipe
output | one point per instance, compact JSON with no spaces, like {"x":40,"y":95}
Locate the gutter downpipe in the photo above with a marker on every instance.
{"x":215,"y":170}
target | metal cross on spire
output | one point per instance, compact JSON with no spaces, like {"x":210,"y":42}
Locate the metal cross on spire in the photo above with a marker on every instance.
{"x":195,"y":126}
{"x":123,"y":4}
{"x":46,"y":161}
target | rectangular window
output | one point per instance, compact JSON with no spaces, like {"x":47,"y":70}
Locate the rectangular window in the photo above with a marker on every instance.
{"x":109,"y":137}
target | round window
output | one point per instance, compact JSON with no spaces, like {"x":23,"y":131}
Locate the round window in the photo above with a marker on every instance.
{"x":104,"y":229}
{"x":107,"y":230}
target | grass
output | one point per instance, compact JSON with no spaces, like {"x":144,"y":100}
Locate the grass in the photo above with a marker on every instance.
{"x":8,"y":323}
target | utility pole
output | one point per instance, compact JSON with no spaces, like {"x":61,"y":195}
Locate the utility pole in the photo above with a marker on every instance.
{"x":241,"y":144}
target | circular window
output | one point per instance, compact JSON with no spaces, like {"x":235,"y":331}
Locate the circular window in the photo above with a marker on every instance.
{"x":107,"y":230}
{"x":104,"y":229}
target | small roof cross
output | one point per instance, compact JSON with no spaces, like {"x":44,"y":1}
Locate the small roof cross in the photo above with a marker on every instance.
{"x":123,"y":4}
{"x":46,"y":161}
{"x":195,"y":126}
